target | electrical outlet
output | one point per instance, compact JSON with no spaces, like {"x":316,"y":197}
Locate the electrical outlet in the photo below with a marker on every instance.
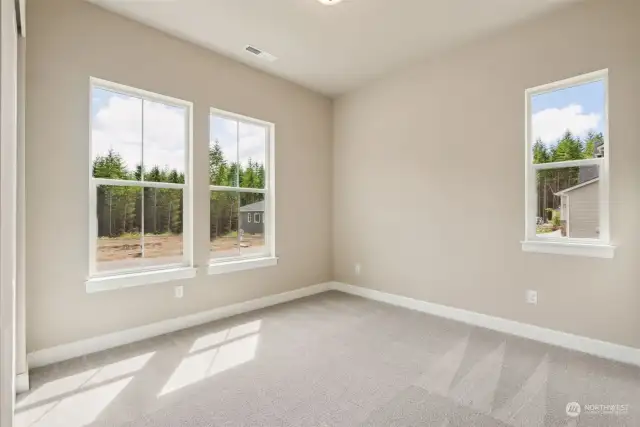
{"x":532,"y":297}
{"x":178,"y":291}
{"x":357,"y":269}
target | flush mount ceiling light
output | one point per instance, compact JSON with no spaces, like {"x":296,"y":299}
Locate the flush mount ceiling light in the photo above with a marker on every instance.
{"x":329,"y":2}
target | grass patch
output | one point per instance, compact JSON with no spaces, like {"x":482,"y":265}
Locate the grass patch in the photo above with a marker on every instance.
{"x":545,"y":228}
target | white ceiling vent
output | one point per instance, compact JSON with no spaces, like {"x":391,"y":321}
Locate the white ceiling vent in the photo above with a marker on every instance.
{"x":260,"y":53}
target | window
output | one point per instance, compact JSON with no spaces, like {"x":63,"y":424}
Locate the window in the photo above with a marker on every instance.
{"x":567,"y":171}
{"x":241,"y":191}
{"x":140,"y":183}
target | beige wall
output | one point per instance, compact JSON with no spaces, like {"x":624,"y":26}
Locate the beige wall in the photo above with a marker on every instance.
{"x":70,"y":40}
{"x":429,"y":177}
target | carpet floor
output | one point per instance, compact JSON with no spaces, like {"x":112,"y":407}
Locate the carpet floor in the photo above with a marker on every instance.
{"x":333,"y":360}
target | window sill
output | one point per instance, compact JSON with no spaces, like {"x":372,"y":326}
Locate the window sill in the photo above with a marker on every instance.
{"x":99,"y":284}
{"x":242,"y":264}
{"x":562,"y":248}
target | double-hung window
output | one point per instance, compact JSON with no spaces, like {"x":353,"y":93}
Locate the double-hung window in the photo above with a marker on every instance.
{"x":140,"y":187}
{"x":567,"y":167}
{"x":242,"y":226}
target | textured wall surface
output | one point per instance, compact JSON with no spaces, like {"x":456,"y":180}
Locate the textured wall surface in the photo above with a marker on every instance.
{"x":429,"y":177}
{"x":71,"y":40}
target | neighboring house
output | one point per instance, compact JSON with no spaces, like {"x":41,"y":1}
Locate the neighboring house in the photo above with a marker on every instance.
{"x":579,"y":209}
{"x":587,"y":173}
{"x":252,"y":218}
{"x":599,"y":149}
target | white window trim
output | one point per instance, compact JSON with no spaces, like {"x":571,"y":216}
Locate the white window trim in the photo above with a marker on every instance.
{"x":139,"y":278}
{"x":268,"y":256}
{"x":566,"y":248}
{"x":600,"y":247}
{"x":239,"y":264}
{"x":116,"y":279}
{"x":9,"y":140}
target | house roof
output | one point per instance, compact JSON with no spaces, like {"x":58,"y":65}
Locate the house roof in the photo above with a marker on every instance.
{"x":253,"y":207}
{"x":575,"y":187}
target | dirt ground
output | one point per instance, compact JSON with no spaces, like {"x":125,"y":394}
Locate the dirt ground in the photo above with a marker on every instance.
{"x":121,"y":248}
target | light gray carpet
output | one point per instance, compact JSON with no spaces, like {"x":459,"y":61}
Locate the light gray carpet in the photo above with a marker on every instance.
{"x":332,"y":360}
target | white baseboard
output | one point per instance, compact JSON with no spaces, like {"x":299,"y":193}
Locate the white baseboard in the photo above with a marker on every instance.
{"x":22,"y":382}
{"x":591,"y":346}
{"x":92,"y":345}
{"x":62,"y":352}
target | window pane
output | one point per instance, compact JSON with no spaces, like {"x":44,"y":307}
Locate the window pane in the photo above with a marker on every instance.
{"x":224,"y":224}
{"x":568,"y":124}
{"x":164,"y":142}
{"x":119,"y":221}
{"x":223,"y":151}
{"x":568,"y":202}
{"x":163,"y":213}
{"x":252,"y":223}
{"x":116,"y":135}
{"x":252,"y":148}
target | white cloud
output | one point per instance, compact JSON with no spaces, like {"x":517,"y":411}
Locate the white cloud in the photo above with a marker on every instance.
{"x":252,"y":141}
{"x":549,"y":125}
{"x":118,"y":126}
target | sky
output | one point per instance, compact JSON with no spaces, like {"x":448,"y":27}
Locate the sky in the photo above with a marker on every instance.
{"x":578,"y":109}
{"x":250,"y":144}
{"x":117,"y":123}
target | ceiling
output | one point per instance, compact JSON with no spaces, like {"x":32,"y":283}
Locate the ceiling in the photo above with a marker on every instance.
{"x":330,"y":49}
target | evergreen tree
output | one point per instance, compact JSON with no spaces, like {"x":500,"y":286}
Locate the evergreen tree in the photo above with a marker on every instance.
{"x":568,"y":148}
{"x":218,"y":171}
{"x":111,"y":166}
{"x":592,"y":141}
{"x":121,"y":207}
{"x":540,"y":152}
{"x":173,"y":177}
{"x":154,"y":175}
{"x":261,"y":176}
{"x":248,"y":178}
{"x":233,"y":175}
